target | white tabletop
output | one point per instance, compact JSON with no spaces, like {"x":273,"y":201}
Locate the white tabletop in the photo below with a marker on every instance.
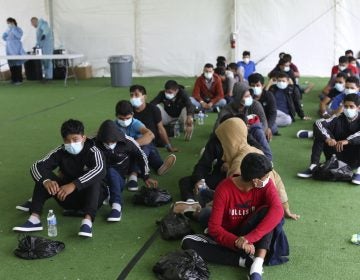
{"x":40,"y":57}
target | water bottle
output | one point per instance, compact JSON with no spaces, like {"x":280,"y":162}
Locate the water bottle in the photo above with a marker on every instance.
{"x":203,"y":186}
{"x":177,"y":129}
{"x":201,"y":117}
{"x":51,"y":221}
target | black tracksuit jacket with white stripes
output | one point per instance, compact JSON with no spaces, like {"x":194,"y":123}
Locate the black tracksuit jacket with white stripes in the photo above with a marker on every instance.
{"x":83,"y":169}
{"x":338,"y":128}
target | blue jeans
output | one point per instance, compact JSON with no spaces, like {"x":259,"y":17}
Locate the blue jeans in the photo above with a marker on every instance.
{"x":221,"y":103}
{"x":153,"y":156}
{"x":257,"y":131}
{"x":116,"y":183}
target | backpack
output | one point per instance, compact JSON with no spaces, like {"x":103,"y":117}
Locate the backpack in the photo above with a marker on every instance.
{"x":152,"y":197}
{"x":174,"y":226}
{"x":332,"y":170}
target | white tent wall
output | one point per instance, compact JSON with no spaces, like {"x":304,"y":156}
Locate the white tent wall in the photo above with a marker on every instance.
{"x":22,"y":11}
{"x":166,"y":37}
{"x":305,"y":29}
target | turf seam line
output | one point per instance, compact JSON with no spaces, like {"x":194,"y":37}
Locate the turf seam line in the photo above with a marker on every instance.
{"x":125,"y":272}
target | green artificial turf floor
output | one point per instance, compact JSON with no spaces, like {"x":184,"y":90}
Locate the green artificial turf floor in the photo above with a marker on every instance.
{"x":30,"y":118}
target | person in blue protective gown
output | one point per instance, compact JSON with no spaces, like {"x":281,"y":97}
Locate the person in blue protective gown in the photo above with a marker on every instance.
{"x":45,"y":41}
{"x":12,"y":37}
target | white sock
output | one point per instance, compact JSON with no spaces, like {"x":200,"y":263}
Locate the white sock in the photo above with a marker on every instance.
{"x":357,"y":170}
{"x":257,"y":266}
{"x":312,"y":166}
{"x":242,"y":262}
{"x":34,"y":219}
{"x":86,"y":222}
{"x":133,"y":178}
{"x":190,"y":200}
{"x":116,"y":206}
{"x":310,"y":134}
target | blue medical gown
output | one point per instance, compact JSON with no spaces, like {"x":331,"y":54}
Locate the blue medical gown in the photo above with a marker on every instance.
{"x":12,"y":37}
{"x":47,"y":45}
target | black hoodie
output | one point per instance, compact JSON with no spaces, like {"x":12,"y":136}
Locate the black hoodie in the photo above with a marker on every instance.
{"x":126,"y":152}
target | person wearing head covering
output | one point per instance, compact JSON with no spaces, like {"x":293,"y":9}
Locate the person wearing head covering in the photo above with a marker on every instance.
{"x":12,"y":37}
{"x":120,"y":151}
{"x":245,"y":212}
{"x":244,"y":104}
{"x":45,"y":41}
{"x":232,"y":135}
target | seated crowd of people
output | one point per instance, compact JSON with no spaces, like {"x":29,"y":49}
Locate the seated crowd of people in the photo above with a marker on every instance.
{"x":234,"y":191}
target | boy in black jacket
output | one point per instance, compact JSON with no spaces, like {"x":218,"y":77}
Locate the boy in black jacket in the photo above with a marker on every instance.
{"x":119,"y":151}
{"x":338,"y":135}
{"x":78,"y":183}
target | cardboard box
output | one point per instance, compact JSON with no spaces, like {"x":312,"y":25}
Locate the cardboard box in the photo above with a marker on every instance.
{"x":5,"y":75}
{"x":83,"y":72}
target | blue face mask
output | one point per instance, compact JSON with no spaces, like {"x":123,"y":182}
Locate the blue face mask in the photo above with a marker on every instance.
{"x":74,"y":148}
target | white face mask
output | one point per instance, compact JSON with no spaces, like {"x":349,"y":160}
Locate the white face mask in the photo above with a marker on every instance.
{"x":110,"y":146}
{"x":248,"y":101}
{"x":287,"y":68}
{"x":229,"y":74}
{"x":282,"y":85}
{"x":263,"y":183}
{"x":208,"y":75}
{"x":136,"y":102}
{"x":339,"y":87}
{"x":124,"y":123}
{"x":342,"y":68}
{"x":350,"y":113}
{"x":257,"y":91}
{"x":246,"y":60}
{"x":9,"y":25}
{"x":350,"y":91}
{"x":169,"y":95}
{"x":74,"y":148}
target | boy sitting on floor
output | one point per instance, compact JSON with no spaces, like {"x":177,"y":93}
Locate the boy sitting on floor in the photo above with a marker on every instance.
{"x":78,"y":186}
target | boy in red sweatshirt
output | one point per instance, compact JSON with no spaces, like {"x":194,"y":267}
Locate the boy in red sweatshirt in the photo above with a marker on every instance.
{"x":245,"y":211}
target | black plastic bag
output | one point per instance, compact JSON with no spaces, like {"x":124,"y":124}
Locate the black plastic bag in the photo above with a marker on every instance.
{"x":181,"y":265}
{"x":152,"y":197}
{"x":35,"y":247}
{"x":332,"y":170}
{"x":174,"y":226}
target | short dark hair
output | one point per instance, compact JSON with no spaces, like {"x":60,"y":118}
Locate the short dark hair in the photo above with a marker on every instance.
{"x":208,"y":65}
{"x":349,"y":52}
{"x":171,"y":84}
{"x":232,"y":66}
{"x":256,"y":77}
{"x":255,"y":166}
{"x":123,"y":108}
{"x":221,"y":64}
{"x":139,"y":88}
{"x":281,"y":55}
{"x":282,"y":61}
{"x":342,"y":75}
{"x":352,"y":98}
{"x":287,"y":57}
{"x":274,"y":74}
{"x":221,"y":58}
{"x":351,"y":58}
{"x":71,"y":127}
{"x":246,"y":53}
{"x":282,"y":74}
{"x":343,"y":59}
{"x":353,"y":79}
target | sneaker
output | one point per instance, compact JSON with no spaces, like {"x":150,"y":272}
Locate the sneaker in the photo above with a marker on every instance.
{"x":356,"y":179}
{"x":305,"y":174}
{"x":255,"y":276}
{"x":28,"y":226}
{"x":186,"y":206}
{"x":132,"y":186}
{"x":168,"y":163}
{"x":304,"y":134}
{"x":114,"y":216}
{"x":25,"y":206}
{"x":85,"y":230}
{"x":188,"y":132}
